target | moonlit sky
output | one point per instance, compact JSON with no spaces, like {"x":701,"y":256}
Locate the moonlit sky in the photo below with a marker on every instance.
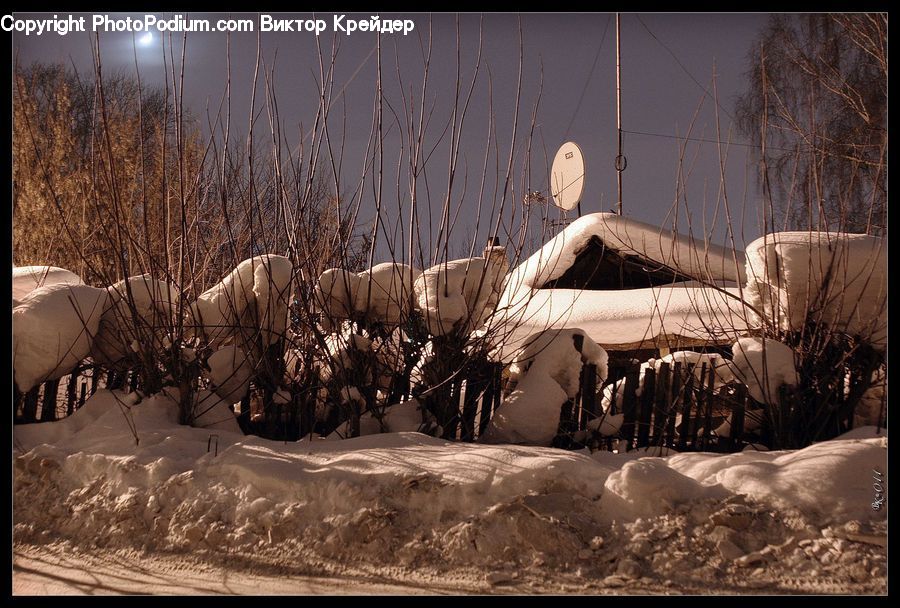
{"x":658,"y":97}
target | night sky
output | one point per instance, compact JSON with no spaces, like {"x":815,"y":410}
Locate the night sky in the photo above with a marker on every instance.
{"x":668,"y":60}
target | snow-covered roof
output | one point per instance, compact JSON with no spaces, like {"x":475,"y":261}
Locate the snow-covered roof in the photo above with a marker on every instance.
{"x":678,"y":314}
{"x":694,"y":258}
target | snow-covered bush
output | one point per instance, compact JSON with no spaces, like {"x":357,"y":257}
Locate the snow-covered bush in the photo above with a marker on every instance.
{"x":546,"y":374}
{"x":458,"y":295}
{"x":53,"y":330}
{"x":251,"y":300}
{"x":381,"y":294}
{"x":764,"y":366}
{"x":26,"y":279}
{"x":137,"y":313}
{"x":824,"y":296}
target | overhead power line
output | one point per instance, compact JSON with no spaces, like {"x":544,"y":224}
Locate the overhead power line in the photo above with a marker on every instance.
{"x":588,"y":81}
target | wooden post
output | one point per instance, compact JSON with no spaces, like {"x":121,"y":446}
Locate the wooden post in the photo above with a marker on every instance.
{"x":629,"y":407}
{"x":491,"y":398}
{"x":698,"y":420}
{"x":709,"y":401}
{"x":48,"y":409}
{"x":71,"y":392}
{"x":29,"y":408}
{"x":451,"y":426}
{"x":244,"y":420}
{"x":661,"y":404}
{"x":687,"y":396}
{"x":588,"y":393}
{"x":81,"y":399}
{"x":648,"y":394}
{"x":95,"y":380}
{"x":671,"y":406}
{"x":737,"y":418}
{"x":475,"y":386}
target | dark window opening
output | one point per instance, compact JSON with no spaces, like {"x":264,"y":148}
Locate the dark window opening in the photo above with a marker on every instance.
{"x":597,"y":267}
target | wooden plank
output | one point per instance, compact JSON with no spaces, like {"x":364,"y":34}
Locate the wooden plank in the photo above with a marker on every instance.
{"x":95,"y":380}
{"x":687,"y":399}
{"x":566,"y":427}
{"x":48,"y":408}
{"x":588,"y":394}
{"x":737,"y":418}
{"x":30,"y":405}
{"x":675,"y":385}
{"x":629,"y":407}
{"x":648,"y":394}
{"x":475,"y":386}
{"x":71,"y":392}
{"x":698,"y":395}
{"x":491,"y":398}
{"x":451,"y":426}
{"x":661,"y":402}
{"x":709,"y":401}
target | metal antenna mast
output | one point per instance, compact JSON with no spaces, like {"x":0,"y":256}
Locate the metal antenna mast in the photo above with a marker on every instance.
{"x":621,"y":163}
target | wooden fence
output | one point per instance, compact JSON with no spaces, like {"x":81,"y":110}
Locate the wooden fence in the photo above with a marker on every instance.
{"x":672,"y":407}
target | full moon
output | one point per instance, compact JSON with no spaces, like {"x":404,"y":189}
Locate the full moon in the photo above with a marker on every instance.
{"x":146,"y":39}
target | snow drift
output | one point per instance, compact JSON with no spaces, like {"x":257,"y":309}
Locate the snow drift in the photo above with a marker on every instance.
{"x":411,"y":501}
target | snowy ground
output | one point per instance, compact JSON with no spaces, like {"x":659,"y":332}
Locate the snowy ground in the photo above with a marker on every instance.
{"x":404,"y":513}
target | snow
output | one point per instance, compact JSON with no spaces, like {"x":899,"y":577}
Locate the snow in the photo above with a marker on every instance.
{"x":26,"y":279}
{"x":403,"y":417}
{"x":831,"y":480}
{"x":763,"y":365}
{"x":707,"y":309}
{"x":405,"y":502}
{"x":212,"y":413}
{"x":230,"y":372}
{"x":692,"y":363}
{"x":678,"y":315}
{"x":648,"y":487}
{"x":382,"y":293}
{"x":151,"y":301}
{"x":546,"y":373}
{"x":255,"y":295}
{"x":460,"y":294}
{"x":53,"y":328}
{"x":840,"y":277}
{"x":692,"y":257}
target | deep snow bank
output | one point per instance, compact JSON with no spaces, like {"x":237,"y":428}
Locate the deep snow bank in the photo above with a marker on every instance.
{"x":411,"y":500}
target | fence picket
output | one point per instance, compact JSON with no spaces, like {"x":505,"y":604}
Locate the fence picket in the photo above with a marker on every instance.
{"x":629,"y":407}
{"x":648,"y":395}
{"x":737,"y":417}
{"x":671,"y":406}
{"x":687,"y":397}
{"x":661,"y":404}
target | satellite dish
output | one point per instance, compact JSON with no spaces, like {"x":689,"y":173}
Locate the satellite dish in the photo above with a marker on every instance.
{"x":567,"y":176}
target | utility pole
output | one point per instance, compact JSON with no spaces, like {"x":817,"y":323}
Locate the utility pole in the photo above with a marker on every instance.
{"x":621,"y":163}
